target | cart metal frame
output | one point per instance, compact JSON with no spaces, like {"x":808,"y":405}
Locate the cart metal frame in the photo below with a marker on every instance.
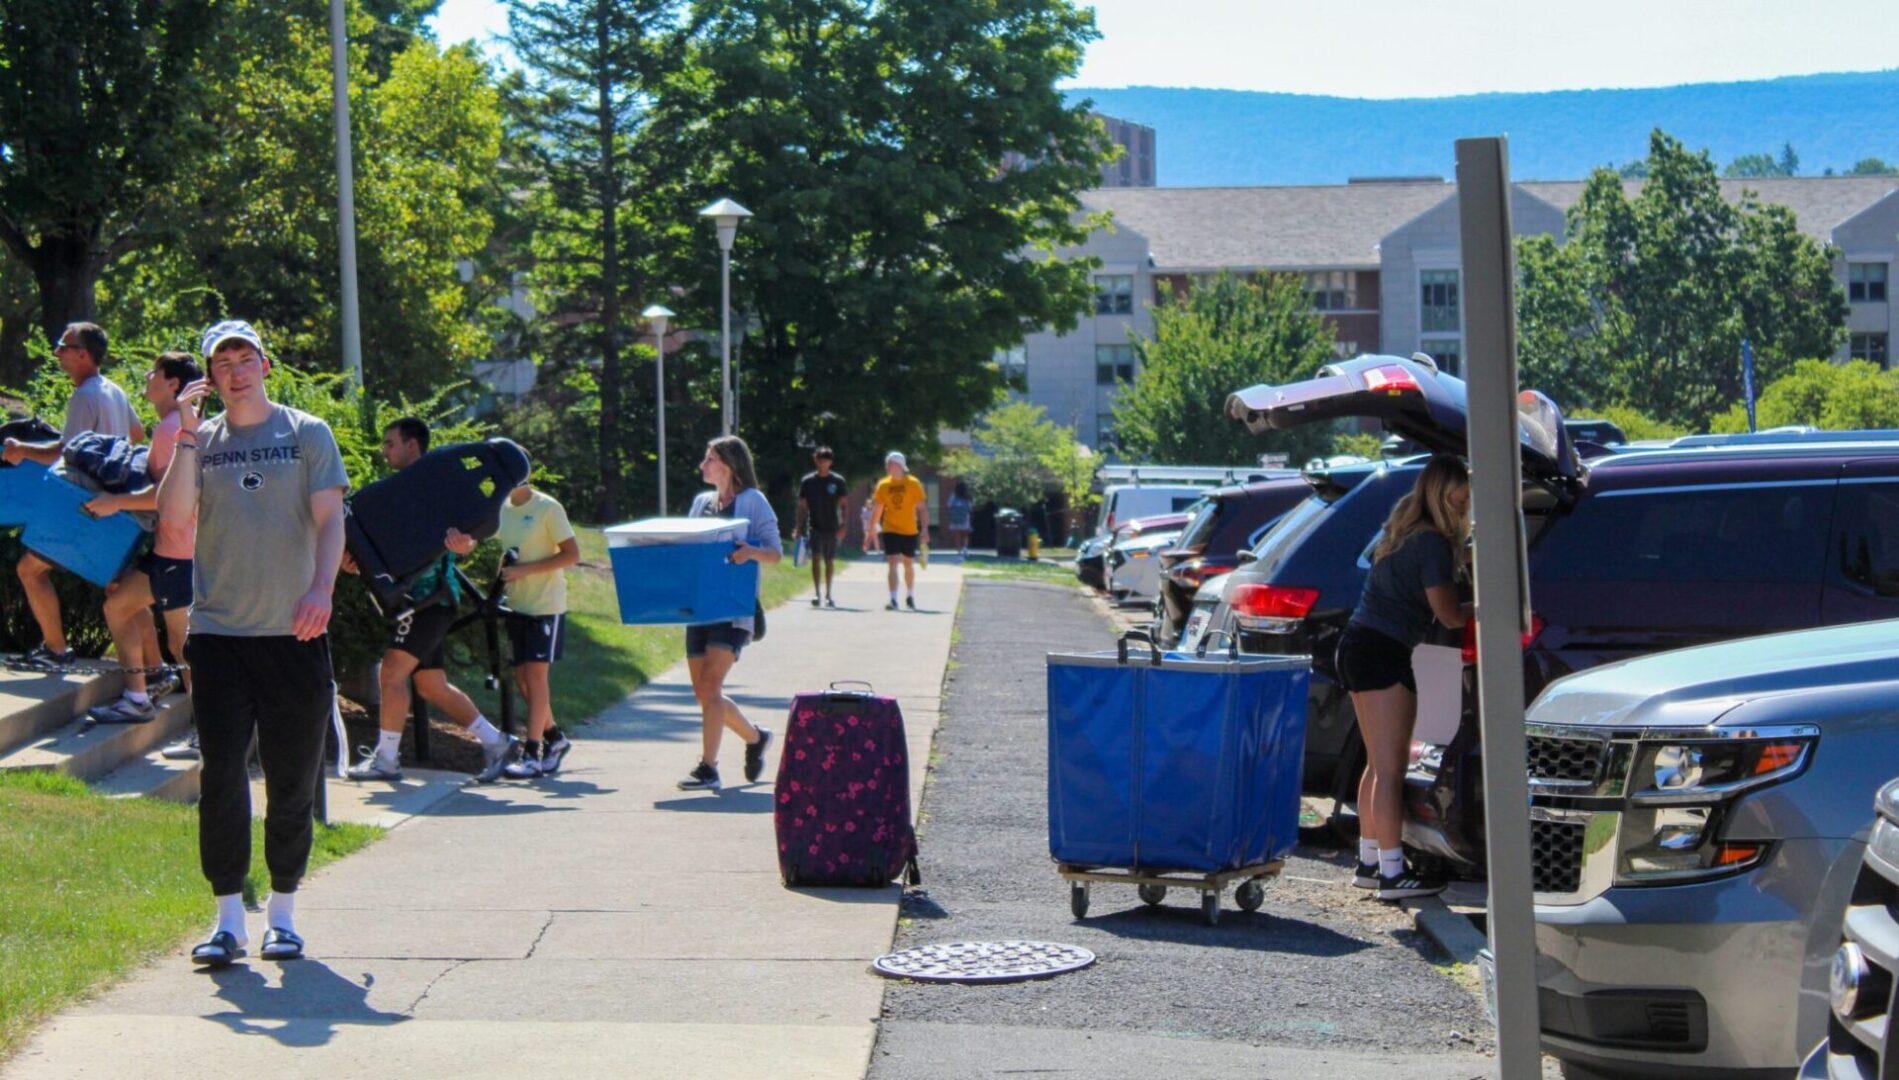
{"x":1153,"y":885}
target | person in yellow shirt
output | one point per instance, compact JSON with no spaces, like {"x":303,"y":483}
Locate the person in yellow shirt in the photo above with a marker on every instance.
{"x":901,"y":520}
{"x":540,"y":546}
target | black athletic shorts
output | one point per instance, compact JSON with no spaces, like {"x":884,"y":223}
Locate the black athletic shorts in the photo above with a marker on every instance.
{"x":721,"y":635}
{"x":823,"y":543}
{"x":536,"y":639}
{"x":171,"y":581}
{"x":1369,"y":660}
{"x":421,"y":634}
{"x":905,"y":544}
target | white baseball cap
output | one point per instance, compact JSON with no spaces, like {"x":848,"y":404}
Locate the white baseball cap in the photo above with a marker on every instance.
{"x":230,"y":330}
{"x":896,"y":456}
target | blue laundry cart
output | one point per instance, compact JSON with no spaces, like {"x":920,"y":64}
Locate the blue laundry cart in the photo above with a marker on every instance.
{"x":678,"y":571}
{"x":51,"y":508}
{"x":1174,"y":770}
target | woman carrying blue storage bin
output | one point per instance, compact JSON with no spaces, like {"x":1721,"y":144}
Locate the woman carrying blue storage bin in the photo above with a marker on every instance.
{"x":712,"y":648}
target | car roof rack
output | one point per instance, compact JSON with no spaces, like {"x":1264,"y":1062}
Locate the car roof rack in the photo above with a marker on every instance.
{"x":1792,"y":434}
{"x":1214,"y":475}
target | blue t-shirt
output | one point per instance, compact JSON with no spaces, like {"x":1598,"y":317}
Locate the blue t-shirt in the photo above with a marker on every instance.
{"x":1394,"y":602}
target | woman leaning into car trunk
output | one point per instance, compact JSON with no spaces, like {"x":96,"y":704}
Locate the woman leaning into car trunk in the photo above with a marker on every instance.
{"x":1412,"y":581}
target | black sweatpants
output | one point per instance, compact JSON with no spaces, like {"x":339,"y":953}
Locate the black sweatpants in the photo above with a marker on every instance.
{"x":280,"y":688}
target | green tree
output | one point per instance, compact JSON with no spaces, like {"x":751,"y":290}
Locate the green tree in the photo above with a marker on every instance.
{"x":591,"y":67}
{"x":102,"y":106}
{"x":1649,"y":299}
{"x":885,"y":264}
{"x":1872,"y":166}
{"x":1836,"y":397}
{"x":1755,"y":166}
{"x":1219,"y":337}
{"x":1020,"y":456}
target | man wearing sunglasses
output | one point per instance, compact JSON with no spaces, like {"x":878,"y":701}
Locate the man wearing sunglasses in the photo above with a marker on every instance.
{"x":97,"y":405}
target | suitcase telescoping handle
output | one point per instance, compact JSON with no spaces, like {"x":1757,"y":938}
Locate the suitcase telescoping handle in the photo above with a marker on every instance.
{"x":1144,"y":638}
{"x":1232,"y":644}
{"x":844,"y":688}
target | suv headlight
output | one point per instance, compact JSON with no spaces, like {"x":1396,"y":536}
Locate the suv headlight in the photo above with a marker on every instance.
{"x":1703,"y":770}
{"x":1673,"y":843}
{"x":1679,"y":793}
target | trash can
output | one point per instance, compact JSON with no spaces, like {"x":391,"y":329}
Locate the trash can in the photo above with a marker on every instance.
{"x":1008,"y":534}
{"x":669,"y":571}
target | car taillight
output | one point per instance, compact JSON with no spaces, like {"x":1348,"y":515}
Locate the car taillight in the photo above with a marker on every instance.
{"x":1529,"y":636}
{"x":1391,"y":379}
{"x":1273,"y":601}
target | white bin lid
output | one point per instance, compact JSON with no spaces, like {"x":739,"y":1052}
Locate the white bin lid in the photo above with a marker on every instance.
{"x":677,"y":530}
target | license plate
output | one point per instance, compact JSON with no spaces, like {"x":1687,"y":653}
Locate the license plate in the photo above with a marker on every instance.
{"x":1487,"y":974}
{"x":1190,"y":637}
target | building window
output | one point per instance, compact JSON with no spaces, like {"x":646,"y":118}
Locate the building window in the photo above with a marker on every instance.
{"x":1014,"y":364}
{"x":1866,"y":283}
{"x":1344,"y":350}
{"x":1447,"y":352}
{"x":1113,"y":364}
{"x":1114,"y":294}
{"x":1437,"y":302}
{"x":1104,"y":432}
{"x":1869,"y":347}
{"x":1332,"y":290}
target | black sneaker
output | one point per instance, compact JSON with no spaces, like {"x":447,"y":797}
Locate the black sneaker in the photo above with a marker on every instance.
{"x":892,"y":606}
{"x":1367,"y":876}
{"x":815,"y":601}
{"x":910,"y":602}
{"x":553,"y":754}
{"x":45,"y":659}
{"x":703,"y":778}
{"x":828,"y":602}
{"x":1405,"y":885}
{"x":755,"y":756}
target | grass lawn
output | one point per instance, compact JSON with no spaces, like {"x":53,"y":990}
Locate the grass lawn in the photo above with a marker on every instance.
{"x":90,"y":887}
{"x":1053,"y":571}
{"x":604,"y":660}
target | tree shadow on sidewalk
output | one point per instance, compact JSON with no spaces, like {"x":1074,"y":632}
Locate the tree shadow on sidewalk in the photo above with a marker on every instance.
{"x":750,"y":799}
{"x":310,"y":1004}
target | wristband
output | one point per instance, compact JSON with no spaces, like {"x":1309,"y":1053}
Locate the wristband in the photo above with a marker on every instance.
{"x":183,"y":445}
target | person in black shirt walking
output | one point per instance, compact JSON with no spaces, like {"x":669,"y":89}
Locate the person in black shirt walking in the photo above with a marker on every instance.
{"x":823,"y":502}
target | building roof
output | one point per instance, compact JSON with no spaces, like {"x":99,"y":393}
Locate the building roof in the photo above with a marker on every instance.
{"x":1819,"y":203}
{"x":1281,"y":228}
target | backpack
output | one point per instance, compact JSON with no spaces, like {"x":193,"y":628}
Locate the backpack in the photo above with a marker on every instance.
{"x":111,"y":461}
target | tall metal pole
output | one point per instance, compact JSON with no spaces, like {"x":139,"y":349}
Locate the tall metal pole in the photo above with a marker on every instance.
{"x":1496,"y":505}
{"x":345,"y":197}
{"x":659,"y":395}
{"x":725,"y":337}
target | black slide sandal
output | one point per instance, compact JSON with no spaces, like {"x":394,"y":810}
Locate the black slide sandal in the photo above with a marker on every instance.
{"x":281,"y":945}
{"x":219,"y":951}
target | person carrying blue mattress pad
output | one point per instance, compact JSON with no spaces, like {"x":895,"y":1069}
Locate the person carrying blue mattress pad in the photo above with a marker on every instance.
{"x":712,"y":648}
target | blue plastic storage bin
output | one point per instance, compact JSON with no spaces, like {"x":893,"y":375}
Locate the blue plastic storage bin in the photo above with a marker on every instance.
{"x":674,"y":571}
{"x":1174,"y":762}
{"x":56,"y":529}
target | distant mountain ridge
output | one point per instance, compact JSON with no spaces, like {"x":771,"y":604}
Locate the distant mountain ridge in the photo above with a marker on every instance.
{"x":1209,"y":138}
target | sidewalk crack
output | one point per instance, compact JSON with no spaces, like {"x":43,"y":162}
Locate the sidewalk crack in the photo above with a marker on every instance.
{"x":430,"y":988}
{"x":545,"y":927}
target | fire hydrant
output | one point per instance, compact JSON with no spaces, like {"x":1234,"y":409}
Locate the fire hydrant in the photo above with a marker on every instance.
{"x":1035,"y":544}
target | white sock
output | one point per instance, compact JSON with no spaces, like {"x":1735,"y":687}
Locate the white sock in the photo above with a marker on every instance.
{"x":389,"y":744}
{"x":489,"y":734}
{"x":231,"y":917}
{"x":1367,"y":852}
{"x":1390,"y":862}
{"x":281,"y":911}
{"x":135,"y":697}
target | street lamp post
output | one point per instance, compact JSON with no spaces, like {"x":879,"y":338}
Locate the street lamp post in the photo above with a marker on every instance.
{"x":656,"y":316}
{"x":345,"y":197}
{"x":726,"y":214}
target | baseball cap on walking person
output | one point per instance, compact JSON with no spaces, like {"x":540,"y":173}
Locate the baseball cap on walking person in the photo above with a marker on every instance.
{"x":897,"y":456}
{"x":231,"y":330}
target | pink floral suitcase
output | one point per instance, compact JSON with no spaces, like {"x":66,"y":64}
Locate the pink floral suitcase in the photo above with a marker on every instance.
{"x":843,"y":812}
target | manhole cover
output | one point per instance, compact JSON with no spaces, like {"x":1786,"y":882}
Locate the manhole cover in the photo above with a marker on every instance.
{"x":983,"y":961}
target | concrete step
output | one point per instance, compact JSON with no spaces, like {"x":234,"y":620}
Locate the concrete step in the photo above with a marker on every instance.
{"x":151,"y":777}
{"x":32,"y":704}
{"x":91,"y":751}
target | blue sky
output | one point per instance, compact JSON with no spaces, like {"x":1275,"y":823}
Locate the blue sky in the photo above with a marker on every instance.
{"x":1403,"y":48}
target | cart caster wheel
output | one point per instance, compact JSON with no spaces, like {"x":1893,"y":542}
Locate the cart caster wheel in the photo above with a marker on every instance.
{"x":1250,"y":895}
{"x":1152,"y":895}
{"x":1210,"y":908}
{"x":1078,"y":899}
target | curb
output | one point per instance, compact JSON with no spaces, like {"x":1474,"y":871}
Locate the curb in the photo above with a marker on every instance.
{"x":1452,"y":932}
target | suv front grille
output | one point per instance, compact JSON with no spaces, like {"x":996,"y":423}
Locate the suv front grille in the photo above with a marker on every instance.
{"x":1859,"y":1049}
{"x":1556,"y":850}
{"x":1568,"y":760}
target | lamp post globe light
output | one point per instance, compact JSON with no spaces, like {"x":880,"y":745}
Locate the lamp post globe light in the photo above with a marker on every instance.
{"x":725,"y":214}
{"x":656,"y":316}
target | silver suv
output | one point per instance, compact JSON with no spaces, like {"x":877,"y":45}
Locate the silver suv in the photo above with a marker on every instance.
{"x":1860,"y":1043}
{"x":1697,"y":823}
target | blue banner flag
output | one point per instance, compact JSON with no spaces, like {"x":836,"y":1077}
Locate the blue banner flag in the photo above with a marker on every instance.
{"x":1747,"y":379}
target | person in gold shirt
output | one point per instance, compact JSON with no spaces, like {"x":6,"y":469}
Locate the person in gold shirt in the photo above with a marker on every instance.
{"x":901,"y":520}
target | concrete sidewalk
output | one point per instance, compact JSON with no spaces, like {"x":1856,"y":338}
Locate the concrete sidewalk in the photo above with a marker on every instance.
{"x":599,"y":923}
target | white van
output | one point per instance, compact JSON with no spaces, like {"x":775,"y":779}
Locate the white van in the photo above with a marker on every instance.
{"x":1121,"y":503}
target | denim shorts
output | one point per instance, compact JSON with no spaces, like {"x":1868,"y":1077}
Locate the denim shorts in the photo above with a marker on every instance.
{"x":718,"y":635}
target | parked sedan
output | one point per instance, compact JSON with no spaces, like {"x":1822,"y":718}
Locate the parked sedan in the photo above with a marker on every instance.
{"x":1697,"y":823}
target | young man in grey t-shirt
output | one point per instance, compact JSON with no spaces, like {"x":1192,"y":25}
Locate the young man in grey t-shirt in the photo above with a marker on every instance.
{"x":98,"y":405}
{"x":267,"y":486}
